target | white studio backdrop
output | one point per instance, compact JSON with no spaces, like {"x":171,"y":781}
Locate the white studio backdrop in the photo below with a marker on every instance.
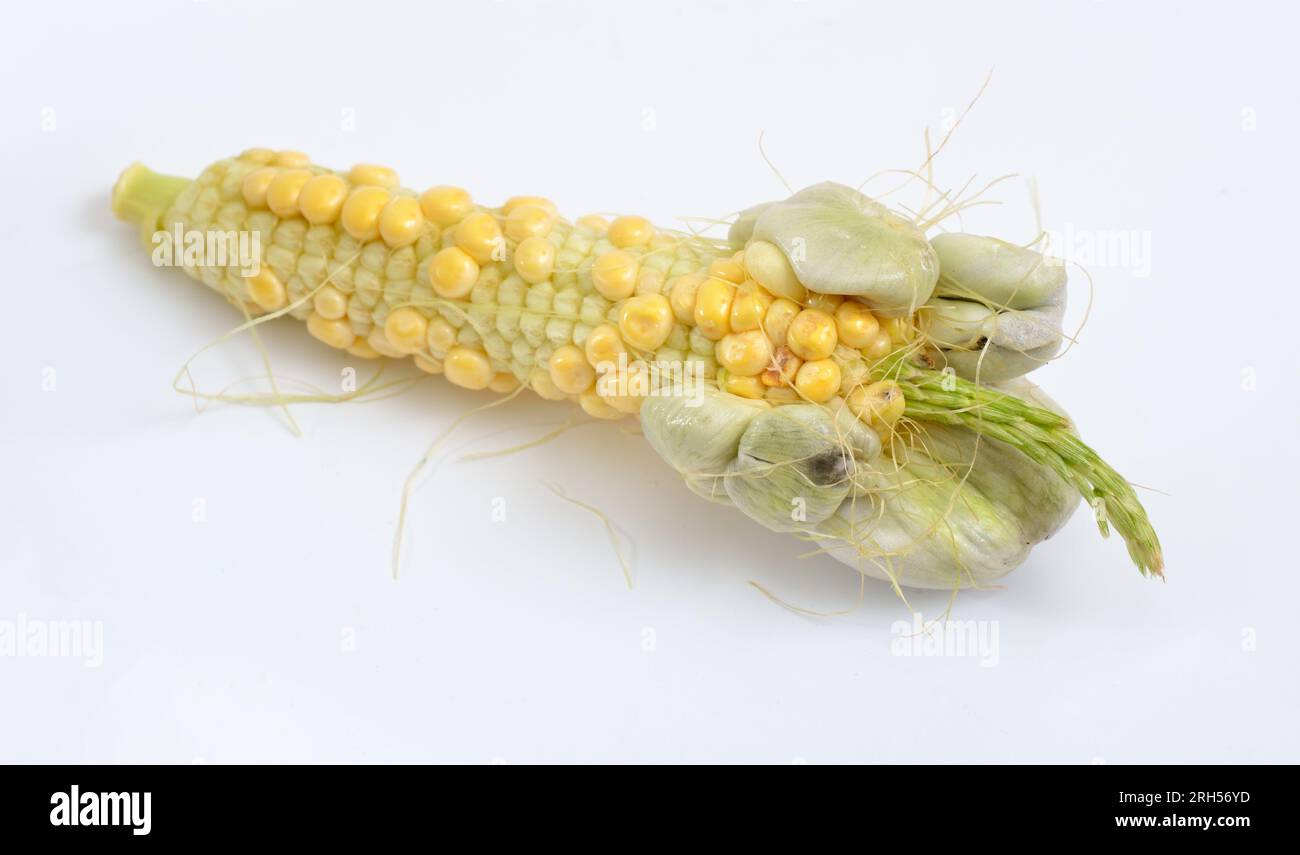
{"x":240,"y":575}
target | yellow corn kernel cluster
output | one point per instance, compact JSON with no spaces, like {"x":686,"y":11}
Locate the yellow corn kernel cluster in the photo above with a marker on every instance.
{"x":495,"y":297}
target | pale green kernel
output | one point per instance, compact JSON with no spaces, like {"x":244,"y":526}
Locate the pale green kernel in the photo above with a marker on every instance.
{"x":679,"y":338}
{"x":566,"y":302}
{"x":522,"y":351}
{"x":401,"y":264}
{"x":468,"y":336}
{"x":398,"y":293}
{"x":579,"y":243}
{"x":374,"y":256}
{"x":508,"y":321}
{"x":512,"y":291}
{"x":482,"y":317}
{"x":559,"y":331}
{"x":289,"y":234}
{"x":675,"y":355}
{"x":281,"y":261}
{"x":312,"y":269}
{"x":369,"y":287}
{"x":533,"y":326}
{"x":700,"y":343}
{"x":485,"y":288}
{"x":540,"y":296}
{"x":594,"y":310}
{"x":320,"y":240}
{"x":496,"y":346}
{"x":231,"y":215}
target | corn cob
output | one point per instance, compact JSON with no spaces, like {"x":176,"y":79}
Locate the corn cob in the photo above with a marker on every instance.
{"x":496,"y":297}
{"x":499,"y":297}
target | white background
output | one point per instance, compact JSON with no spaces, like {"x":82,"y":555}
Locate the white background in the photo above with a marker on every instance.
{"x":273,"y":631}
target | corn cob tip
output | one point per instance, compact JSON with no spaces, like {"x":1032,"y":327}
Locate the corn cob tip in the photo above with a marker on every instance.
{"x":142,"y":196}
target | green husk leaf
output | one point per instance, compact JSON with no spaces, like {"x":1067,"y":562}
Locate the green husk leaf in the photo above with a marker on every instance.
{"x":1045,"y":437}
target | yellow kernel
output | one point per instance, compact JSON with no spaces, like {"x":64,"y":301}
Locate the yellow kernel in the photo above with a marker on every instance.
{"x":515,"y":202}
{"x":441,"y":336}
{"x":468,"y":368}
{"x":260,"y":156}
{"x":725,"y":268}
{"x":445,"y":206}
{"x":335,"y":333}
{"x":539,"y":380}
{"x":401,"y":222}
{"x":267,"y":290}
{"x":713,"y":307}
{"x":630,"y":231}
{"x":291,"y":159}
{"x":880,"y":404}
{"x":595,"y":222}
{"x":255,"y":185}
{"x":360,"y":215}
{"x":880,"y":346}
{"x":812,"y":334}
{"x":595,"y":406}
{"x":901,"y":330}
{"x":739,"y":257}
{"x":818,"y":380}
{"x":504,"y":382}
{"x":382,"y":345}
{"x":480,"y":236}
{"x":856,"y":325}
{"x":322,"y":198}
{"x":854,"y":370}
{"x":646,"y":321}
{"x":452,"y":273}
{"x":745,"y":353}
{"x":750,"y":307}
{"x":528,"y":221}
{"x":782,"y":369}
{"x":427,"y":364}
{"x":373,"y":175}
{"x":570,"y":371}
{"x":776,"y":323}
{"x":603,"y":346}
{"x":745,"y":387}
{"x":614,"y":275}
{"x":406,"y":328}
{"x":649,"y":281}
{"x":535,"y":259}
{"x":768,"y":266}
{"x":360,"y":347}
{"x":330,"y":302}
{"x":682,"y":296}
{"x":827,"y":303}
{"x":282,"y":194}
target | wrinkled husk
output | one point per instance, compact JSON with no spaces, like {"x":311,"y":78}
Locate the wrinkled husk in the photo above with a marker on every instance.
{"x":936,"y":521}
{"x":998,"y":307}
{"x":1006,"y":275}
{"x":796,"y":464}
{"x":920,"y":513}
{"x":841,"y":242}
{"x":698,"y":437}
